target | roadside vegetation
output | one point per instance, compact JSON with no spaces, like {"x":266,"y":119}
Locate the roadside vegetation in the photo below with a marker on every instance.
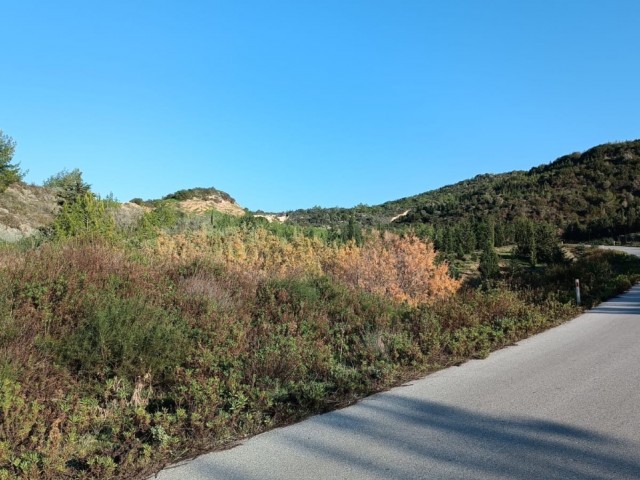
{"x":127,"y":347}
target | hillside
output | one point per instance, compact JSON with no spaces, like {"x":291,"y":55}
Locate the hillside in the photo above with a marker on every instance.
{"x":25,"y":209}
{"x":200,"y":200}
{"x":587,"y":195}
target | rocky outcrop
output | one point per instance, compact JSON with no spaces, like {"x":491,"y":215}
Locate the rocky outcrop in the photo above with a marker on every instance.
{"x":24,"y":209}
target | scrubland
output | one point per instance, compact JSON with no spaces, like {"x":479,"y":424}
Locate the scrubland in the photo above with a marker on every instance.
{"x":124,"y":350}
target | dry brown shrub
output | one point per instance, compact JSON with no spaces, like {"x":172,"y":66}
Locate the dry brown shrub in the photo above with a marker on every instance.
{"x":209,"y":288}
{"x":402,"y":268}
{"x":257,"y":252}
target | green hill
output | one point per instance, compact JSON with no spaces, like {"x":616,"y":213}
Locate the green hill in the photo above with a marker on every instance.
{"x":586,"y":195}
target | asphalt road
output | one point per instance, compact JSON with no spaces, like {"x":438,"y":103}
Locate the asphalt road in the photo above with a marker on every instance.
{"x":629,"y":250}
{"x":564,"y":404}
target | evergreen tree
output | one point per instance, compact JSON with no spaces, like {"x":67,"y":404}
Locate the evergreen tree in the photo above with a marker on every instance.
{"x":88,"y":215}
{"x":448,"y":241}
{"x":353,"y":231}
{"x":525,"y":236}
{"x":9,"y":172}
{"x":489,"y":263}
{"x":546,"y":243}
{"x":466,"y":237}
{"x":485,"y":233}
{"x":489,"y":266}
{"x":69,"y":185}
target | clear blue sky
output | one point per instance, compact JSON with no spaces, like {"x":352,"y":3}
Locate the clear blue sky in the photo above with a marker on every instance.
{"x":290,"y":104}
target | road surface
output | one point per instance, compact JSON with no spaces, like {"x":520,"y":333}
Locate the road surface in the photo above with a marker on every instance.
{"x":629,"y":250}
{"x":564,"y":404}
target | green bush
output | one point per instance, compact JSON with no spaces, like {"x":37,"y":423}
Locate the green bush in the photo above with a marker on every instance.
{"x":88,"y":215}
{"x":125,"y":338}
{"x":69,"y":185}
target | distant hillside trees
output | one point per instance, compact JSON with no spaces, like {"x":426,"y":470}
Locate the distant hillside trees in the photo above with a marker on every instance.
{"x":9,"y":172}
{"x":585,"y":196}
{"x":616,"y":224}
{"x":468,"y":236}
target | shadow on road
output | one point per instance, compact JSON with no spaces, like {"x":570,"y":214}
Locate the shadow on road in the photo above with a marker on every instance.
{"x":424,"y":439}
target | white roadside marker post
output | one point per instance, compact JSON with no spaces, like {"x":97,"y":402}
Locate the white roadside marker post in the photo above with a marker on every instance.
{"x":577,"y":291}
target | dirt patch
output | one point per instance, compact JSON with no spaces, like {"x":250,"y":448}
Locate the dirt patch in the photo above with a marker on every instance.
{"x":403,"y":214}
{"x":24,"y":209}
{"x":129,"y":214}
{"x":272,"y":217}
{"x":201,"y":205}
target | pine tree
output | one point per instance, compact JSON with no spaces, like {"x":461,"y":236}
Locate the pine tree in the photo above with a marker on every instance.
{"x":489,"y":266}
{"x":87,"y":215}
{"x":69,"y":185}
{"x":525,"y":233}
{"x":546,"y":242}
{"x":9,"y":172}
{"x":499,"y":234}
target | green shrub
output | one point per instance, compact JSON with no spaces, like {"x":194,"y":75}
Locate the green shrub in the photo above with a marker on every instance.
{"x":125,"y":338}
{"x":69,"y":185}
{"x":88,"y":215}
{"x":165,"y":215}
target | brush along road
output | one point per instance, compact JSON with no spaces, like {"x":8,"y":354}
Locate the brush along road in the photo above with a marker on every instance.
{"x":564,"y":404}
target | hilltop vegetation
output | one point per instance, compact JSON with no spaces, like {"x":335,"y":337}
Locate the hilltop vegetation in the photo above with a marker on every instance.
{"x":588,"y":195}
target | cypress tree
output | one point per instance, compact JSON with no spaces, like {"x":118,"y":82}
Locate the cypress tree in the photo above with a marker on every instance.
{"x":489,"y":266}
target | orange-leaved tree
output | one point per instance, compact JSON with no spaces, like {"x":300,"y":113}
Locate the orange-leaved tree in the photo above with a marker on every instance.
{"x":401,"y":267}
